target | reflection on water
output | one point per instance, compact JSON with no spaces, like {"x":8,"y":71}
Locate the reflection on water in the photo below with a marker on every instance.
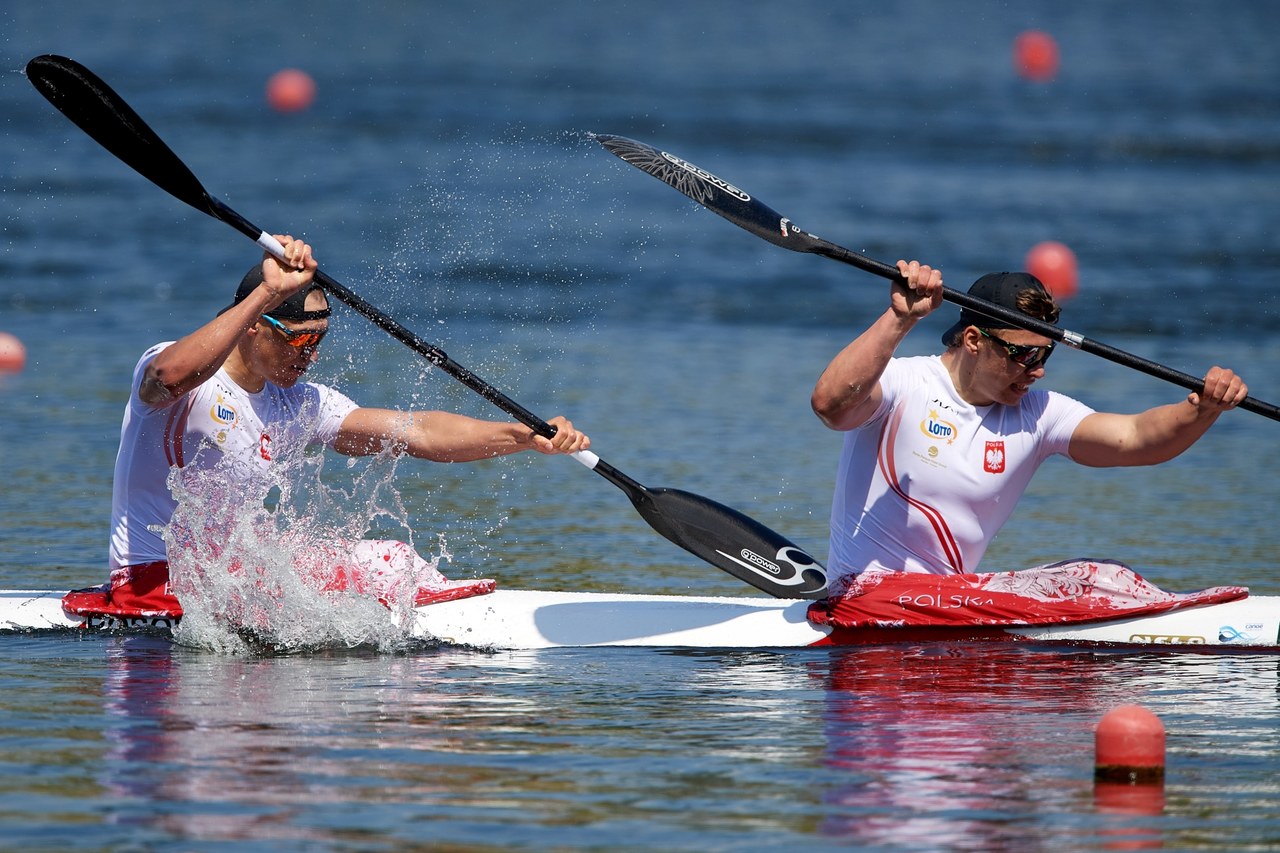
{"x":955,"y":748}
{"x":255,"y":745}
{"x":927,"y":747}
{"x":961,"y":740}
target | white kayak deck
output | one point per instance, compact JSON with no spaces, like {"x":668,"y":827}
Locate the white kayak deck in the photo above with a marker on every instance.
{"x":529,"y":619}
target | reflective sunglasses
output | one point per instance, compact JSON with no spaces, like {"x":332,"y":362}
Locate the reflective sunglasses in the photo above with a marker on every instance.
{"x":295,"y":338}
{"x":1025,"y":355}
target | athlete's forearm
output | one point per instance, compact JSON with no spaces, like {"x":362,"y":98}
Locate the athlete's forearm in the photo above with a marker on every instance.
{"x":846,"y":393}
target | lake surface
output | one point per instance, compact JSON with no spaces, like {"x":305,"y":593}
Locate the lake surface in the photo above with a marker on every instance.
{"x":446,"y":173}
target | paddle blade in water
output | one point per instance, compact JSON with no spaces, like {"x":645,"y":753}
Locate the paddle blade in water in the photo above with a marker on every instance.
{"x":95,"y":108}
{"x":731,"y":541}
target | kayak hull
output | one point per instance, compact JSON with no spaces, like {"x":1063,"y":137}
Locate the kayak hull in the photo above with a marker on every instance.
{"x":532,"y":619}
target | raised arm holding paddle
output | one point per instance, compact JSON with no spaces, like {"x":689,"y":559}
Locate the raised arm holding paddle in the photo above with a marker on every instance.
{"x":938,"y":449}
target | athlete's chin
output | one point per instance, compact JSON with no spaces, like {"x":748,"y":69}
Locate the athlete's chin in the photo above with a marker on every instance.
{"x":290,"y":378}
{"x":1015,"y":393}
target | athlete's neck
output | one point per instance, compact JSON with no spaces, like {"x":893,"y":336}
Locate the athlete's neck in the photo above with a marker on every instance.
{"x":242,"y":374}
{"x":963,"y":371}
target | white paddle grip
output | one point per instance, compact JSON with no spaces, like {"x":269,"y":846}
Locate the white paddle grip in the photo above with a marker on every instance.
{"x":586,"y":457}
{"x":271,"y":244}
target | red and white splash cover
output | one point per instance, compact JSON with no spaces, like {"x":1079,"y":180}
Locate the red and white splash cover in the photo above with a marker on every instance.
{"x":1070,"y":591}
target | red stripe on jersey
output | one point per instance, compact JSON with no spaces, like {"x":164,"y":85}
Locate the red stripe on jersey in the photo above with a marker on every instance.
{"x":888,"y":434}
{"x":175,"y":427}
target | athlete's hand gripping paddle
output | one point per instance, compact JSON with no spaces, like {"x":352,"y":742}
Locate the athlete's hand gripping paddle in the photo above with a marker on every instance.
{"x":740,"y":208}
{"x":722,"y":536}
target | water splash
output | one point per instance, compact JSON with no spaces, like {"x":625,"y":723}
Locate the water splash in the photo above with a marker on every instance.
{"x":274,"y":562}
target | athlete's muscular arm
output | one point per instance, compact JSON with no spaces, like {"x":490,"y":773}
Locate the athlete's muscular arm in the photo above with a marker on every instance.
{"x":448,"y":437}
{"x":1105,"y":440}
{"x":848,"y":391}
{"x":191,"y":360}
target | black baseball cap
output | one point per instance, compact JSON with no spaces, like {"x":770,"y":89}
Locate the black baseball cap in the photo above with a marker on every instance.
{"x":293,"y":308}
{"x":1000,"y":288}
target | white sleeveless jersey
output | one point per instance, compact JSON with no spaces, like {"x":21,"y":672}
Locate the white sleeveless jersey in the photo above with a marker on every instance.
{"x":928,"y":481}
{"x":215,"y":420}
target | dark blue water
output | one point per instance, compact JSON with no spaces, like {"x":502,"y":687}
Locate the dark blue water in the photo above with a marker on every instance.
{"x":446,"y":173}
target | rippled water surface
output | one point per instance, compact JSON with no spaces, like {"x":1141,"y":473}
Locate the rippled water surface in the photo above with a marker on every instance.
{"x":446,"y":173}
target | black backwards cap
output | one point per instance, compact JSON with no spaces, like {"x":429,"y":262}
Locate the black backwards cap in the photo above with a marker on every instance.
{"x":293,"y":308}
{"x":1001,"y":288}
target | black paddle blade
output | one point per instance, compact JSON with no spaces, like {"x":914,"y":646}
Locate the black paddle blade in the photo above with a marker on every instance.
{"x":715,"y":194}
{"x":95,"y":108}
{"x":731,"y":541}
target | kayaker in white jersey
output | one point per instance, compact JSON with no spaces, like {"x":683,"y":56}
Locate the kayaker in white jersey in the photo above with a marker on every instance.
{"x":231,"y":394}
{"x":938,"y":449}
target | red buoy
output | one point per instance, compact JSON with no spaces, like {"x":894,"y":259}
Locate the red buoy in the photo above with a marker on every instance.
{"x":1055,"y":265}
{"x":13,"y":355}
{"x":1035,"y":55}
{"x":1129,"y":746}
{"x":290,"y":90}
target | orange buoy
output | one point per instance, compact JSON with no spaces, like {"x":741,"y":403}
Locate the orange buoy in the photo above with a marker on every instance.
{"x":13,"y":355}
{"x":1129,"y":746}
{"x":1035,"y":55}
{"x":1055,"y":265}
{"x":290,"y":90}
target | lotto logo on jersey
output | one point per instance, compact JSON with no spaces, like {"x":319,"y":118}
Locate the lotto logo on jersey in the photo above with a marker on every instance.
{"x":222,"y":413}
{"x":938,"y":429}
{"x":993,"y":458}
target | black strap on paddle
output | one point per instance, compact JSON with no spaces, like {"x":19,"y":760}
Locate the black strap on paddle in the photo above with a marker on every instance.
{"x":722,"y":536}
{"x":740,"y":208}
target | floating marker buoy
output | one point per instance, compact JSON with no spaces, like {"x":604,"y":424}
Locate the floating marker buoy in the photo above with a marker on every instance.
{"x":1129,"y":746}
{"x":1035,"y":55}
{"x":1055,"y":265}
{"x":290,"y":90}
{"x":13,"y":355}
